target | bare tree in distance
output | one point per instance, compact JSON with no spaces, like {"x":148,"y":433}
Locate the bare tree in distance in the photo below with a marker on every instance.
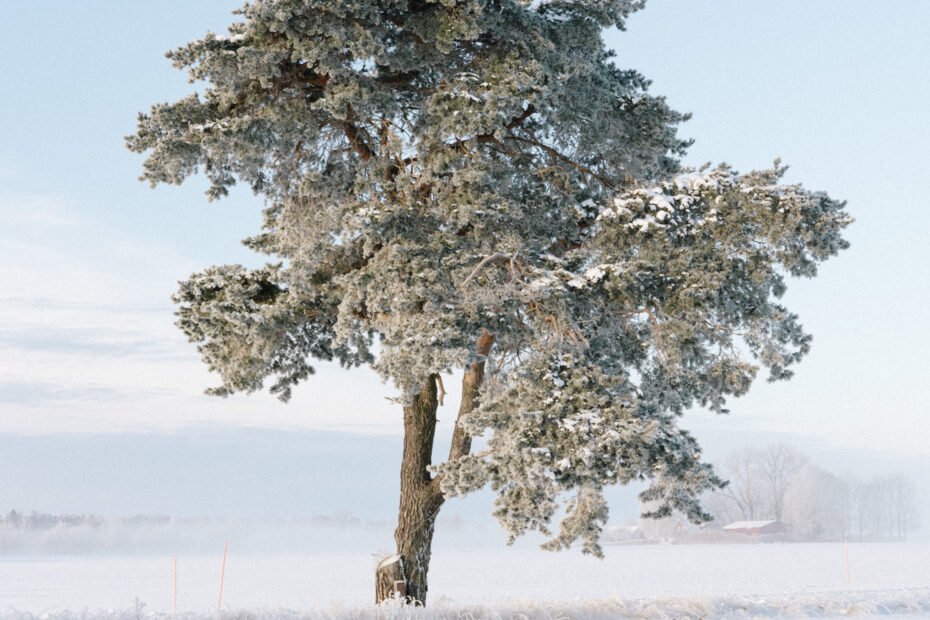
{"x":744,"y":489}
{"x":882,"y":508}
{"x":779,"y":482}
{"x":904,"y":503}
{"x":777,"y":465}
{"x":759,"y":479}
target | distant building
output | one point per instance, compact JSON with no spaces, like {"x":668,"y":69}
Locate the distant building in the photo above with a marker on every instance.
{"x":756,"y":528}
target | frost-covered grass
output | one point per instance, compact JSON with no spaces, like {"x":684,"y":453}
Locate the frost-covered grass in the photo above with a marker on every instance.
{"x":913,"y":603}
{"x":713,"y":581}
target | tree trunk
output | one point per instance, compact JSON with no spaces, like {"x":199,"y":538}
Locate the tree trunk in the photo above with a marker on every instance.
{"x":420,"y":497}
{"x":420,"y":494}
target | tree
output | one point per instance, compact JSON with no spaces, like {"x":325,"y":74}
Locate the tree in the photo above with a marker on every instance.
{"x":881,"y":508}
{"x":744,"y":493}
{"x":474,"y":185}
{"x":814,"y":504}
{"x":903,"y":505}
{"x":778,"y":464}
{"x":758,"y":481}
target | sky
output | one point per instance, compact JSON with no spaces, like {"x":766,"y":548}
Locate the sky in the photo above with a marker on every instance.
{"x":94,"y":376}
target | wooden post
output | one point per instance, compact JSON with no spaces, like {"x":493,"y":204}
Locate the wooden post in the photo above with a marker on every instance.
{"x":219,"y":601}
{"x":389,"y":578}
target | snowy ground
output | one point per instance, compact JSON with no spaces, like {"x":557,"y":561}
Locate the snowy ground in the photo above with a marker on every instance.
{"x":787,"y":580}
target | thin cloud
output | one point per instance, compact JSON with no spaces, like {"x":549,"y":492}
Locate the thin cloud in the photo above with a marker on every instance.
{"x":34,"y":210}
{"x":38,"y":394}
{"x":91,"y":342}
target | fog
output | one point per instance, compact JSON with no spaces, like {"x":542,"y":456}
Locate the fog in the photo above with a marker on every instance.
{"x":279,"y":491}
{"x":39,"y":534}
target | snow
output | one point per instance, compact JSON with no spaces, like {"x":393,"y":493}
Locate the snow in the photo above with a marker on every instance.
{"x":595,"y":274}
{"x":714,"y":581}
{"x":661,"y":202}
{"x":860,"y":605}
{"x":234,"y":38}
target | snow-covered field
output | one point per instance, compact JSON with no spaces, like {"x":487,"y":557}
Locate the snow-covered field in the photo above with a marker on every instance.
{"x":789,"y":580}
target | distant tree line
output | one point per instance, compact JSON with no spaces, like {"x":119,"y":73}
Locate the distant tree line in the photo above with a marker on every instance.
{"x":42,"y":521}
{"x":17,"y":520}
{"x":779,"y":482}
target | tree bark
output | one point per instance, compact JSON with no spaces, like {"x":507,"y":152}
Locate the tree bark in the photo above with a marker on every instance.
{"x":420,"y":494}
{"x":420,"y":497}
{"x":471,"y":386}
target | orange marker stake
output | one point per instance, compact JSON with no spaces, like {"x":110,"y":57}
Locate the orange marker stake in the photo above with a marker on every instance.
{"x":219,"y":601}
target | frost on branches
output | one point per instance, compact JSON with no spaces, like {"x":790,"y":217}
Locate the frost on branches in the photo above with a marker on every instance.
{"x":644,"y":320}
{"x":474,"y":185}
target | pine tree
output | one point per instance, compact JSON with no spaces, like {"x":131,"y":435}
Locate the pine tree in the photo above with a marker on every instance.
{"x":475,"y":185}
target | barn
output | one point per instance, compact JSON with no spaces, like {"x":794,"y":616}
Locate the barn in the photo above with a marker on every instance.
{"x":756,"y":528}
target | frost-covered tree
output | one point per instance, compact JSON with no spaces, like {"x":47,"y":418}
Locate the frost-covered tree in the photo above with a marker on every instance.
{"x":814,"y":505}
{"x":475,"y":185}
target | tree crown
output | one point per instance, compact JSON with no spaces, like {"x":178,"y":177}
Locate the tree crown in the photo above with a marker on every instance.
{"x":438,"y":170}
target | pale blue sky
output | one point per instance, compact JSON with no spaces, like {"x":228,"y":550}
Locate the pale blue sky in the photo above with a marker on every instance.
{"x":89,"y":256}
{"x":838,"y":89}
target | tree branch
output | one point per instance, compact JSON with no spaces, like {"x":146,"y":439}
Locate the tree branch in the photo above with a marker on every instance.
{"x":563,"y":158}
{"x":471,"y":385}
{"x":353,"y":133}
{"x":442,"y":388}
{"x":518,"y":120}
{"x":484,"y":262}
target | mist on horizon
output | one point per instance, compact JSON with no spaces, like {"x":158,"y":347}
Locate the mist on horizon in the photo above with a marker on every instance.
{"x":294,"y":491}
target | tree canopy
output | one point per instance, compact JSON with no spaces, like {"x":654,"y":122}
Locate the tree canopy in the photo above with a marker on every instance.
{"x":438,"y":172}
